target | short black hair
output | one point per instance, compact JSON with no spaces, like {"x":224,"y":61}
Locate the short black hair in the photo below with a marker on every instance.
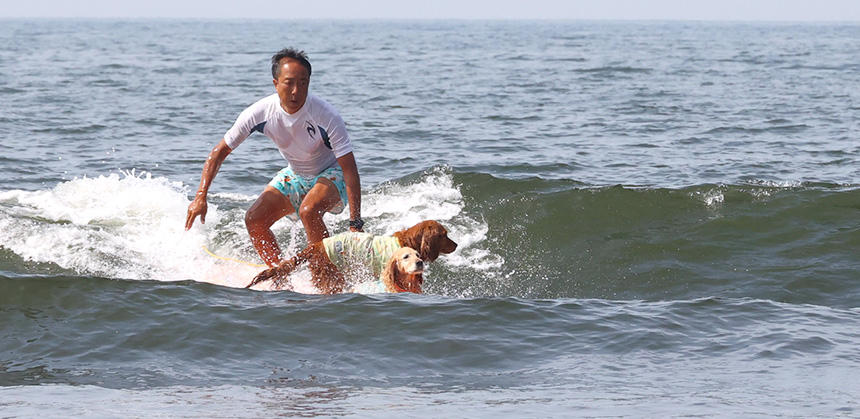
{"x":291,"y":53}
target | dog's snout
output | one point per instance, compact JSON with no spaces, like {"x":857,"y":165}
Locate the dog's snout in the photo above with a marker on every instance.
{"x":450,"y":246}
{"x":419,"y":264}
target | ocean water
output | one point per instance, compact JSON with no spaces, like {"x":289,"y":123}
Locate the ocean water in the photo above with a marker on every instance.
{"x":655,"y":219}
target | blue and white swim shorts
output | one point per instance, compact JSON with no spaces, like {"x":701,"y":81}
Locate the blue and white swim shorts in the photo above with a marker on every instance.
{"x":295,"y":187}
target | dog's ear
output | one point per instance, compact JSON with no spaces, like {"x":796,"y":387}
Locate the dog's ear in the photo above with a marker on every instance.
{"x":389,"y":272}
{"x":412,"y":236}
{"x":430,"y":243}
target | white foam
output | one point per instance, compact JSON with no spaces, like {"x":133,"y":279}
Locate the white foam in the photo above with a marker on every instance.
{"x":712,"y":198}
{"x":783,"y":184}
{"x":395,"y":207}
{"x":127,"y":225}
{"x":236,"y":197}
{"x":131,"y":225}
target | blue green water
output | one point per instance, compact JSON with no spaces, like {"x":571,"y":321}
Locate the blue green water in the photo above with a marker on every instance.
{"x":654,"y":219}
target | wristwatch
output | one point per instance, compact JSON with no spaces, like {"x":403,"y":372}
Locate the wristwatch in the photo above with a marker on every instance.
{"x":359,"y":223}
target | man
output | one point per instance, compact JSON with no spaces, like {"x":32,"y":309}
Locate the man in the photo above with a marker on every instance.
{"x":322,"y":175}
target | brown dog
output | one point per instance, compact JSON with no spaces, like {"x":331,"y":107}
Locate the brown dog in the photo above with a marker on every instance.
{"x":428,"y":238}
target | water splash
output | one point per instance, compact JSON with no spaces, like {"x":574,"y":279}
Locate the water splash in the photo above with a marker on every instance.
{"x":130,"y":225}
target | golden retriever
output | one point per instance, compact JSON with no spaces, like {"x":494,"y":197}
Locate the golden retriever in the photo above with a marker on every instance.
{"x":428,"y":238}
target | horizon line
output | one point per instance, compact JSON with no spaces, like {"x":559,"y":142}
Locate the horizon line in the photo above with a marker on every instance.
{"x":435,"y":19}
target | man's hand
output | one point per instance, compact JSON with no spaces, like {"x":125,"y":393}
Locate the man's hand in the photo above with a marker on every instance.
{"x":353,"y":189}
{"x":197,"y":207}
{"x":356,"y":226}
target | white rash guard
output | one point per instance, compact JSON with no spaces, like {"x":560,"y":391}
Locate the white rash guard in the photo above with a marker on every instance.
{"x":311,"y":140}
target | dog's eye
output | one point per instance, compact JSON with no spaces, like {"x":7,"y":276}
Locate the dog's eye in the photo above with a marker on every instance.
{"x":405,"y":256}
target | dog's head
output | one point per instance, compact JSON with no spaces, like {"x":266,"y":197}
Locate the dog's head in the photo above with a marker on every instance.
{"x":428,"y":237}
{"x":406,"y":260}
{"x":403,"y":271}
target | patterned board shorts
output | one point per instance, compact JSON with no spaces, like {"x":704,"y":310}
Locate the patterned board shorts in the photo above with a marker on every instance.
{"x":295,"y":187}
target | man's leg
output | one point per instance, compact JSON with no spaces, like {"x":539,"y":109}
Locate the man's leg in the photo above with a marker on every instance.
{"x":321,"y":198}
{"x":271,"y":206}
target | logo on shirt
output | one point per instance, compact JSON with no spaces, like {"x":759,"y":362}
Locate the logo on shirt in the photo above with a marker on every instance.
{"x":325,"y":137}
{"x":312,"y":131}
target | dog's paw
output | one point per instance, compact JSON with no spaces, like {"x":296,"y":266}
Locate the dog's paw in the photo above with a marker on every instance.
{"x":263,"y":276}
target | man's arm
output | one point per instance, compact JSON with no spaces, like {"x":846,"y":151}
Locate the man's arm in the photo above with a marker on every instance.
{"x":353,"y":186}
{"x":198,"y":205}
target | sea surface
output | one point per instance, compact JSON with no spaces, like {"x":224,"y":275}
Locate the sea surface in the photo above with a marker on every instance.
{"x":655,"y":219}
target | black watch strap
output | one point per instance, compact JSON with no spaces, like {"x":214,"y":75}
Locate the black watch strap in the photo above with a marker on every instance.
{"x":359,"y":223}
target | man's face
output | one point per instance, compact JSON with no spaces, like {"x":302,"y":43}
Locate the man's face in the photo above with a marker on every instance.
{"x":292,"y":85}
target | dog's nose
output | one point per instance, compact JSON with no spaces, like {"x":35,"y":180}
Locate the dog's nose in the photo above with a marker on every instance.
{"x":419,"y":264}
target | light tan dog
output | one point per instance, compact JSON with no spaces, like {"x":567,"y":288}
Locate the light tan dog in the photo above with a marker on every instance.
{"x":404,"y":271}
